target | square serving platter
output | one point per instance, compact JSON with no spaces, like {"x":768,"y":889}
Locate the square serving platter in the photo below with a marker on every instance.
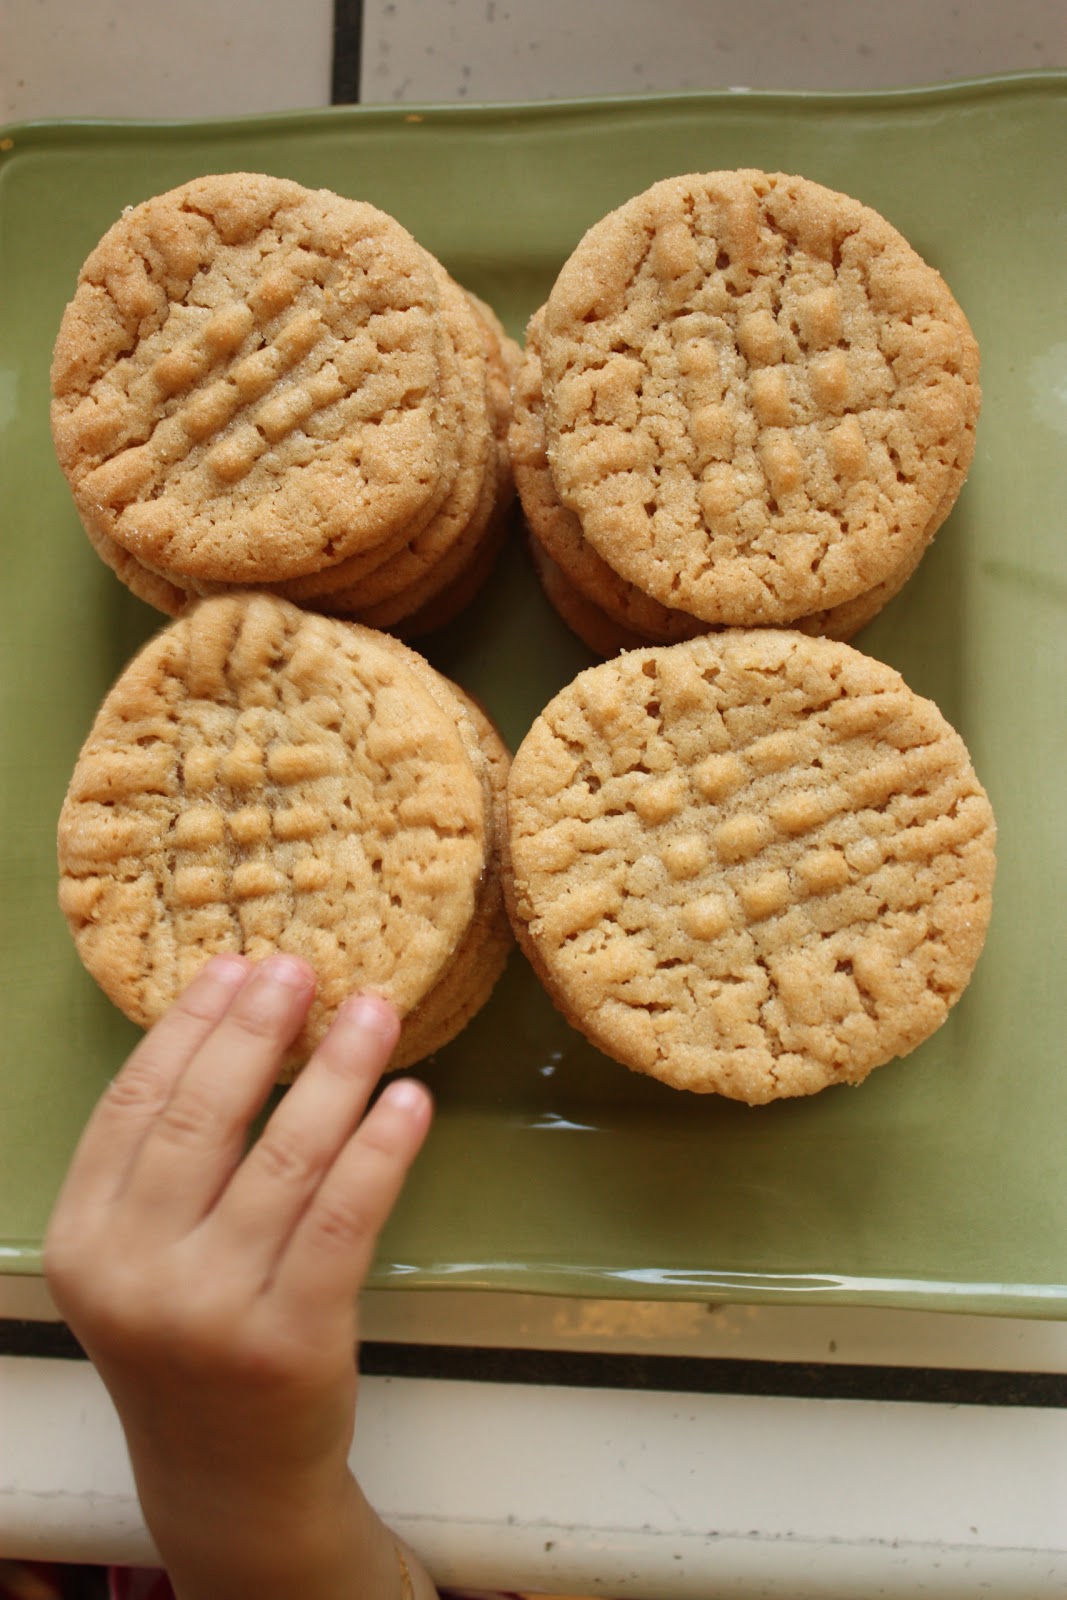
{"x":941,"y":1182}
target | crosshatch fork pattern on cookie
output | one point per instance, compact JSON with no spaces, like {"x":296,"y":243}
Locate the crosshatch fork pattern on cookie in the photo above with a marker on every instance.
{"x":754,"y":856}
{"x":260,"y":778}
{"x":268,"y":362}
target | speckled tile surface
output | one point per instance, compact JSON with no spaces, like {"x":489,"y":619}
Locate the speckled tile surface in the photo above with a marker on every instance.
{"x":434,"y":50}
{"x":143,"y":58}
{"x":123,"y":58}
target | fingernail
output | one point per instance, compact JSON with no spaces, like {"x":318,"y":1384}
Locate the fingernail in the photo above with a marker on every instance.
{"x":406,"y":1095}
{"x":289,"y":971}
{"x":228,"y":968}
{"x":372,"y":1014}
{"x":280,"y":990}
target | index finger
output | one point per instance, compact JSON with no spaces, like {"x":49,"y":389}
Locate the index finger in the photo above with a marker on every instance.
{"x":138,"y":1093}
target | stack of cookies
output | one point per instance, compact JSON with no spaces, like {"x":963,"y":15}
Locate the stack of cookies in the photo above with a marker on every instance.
{"x":259,"y":385}
{"x":748,"y":402}
{"x":753,"y":863}
{"x":261,"y":779}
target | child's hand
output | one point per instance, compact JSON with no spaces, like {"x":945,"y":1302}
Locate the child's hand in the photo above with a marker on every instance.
{"x":217,"y":1295}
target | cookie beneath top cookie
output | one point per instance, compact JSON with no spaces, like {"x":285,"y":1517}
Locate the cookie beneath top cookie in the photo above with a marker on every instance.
{"x":263,"y":779}
{"x":754,"y":864}
{"x":760,"y":401}
{"x":480,"y":958}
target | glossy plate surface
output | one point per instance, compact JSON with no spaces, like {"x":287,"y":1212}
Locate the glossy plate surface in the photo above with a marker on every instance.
{"x":939,"y":1182}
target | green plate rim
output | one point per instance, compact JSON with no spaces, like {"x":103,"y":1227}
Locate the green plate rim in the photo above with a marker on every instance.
{"x":1000,"y":83}
{"x":1041,"y":1302}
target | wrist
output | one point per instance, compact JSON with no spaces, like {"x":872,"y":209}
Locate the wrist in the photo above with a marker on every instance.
{"x":321,"y":1543}
{"x":243,"y":1508}
{"x":313,"y":1534}
{"x":329,"y":1547}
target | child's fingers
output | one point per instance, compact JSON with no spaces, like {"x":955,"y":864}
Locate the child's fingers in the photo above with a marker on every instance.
{"x":263,"y":1202}
{"x":330,"y":1251}
{"x":196,"y":1141}
{"x":139,"y":1092}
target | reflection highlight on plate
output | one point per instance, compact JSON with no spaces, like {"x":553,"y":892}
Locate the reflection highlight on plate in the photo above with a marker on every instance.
{"x":1041,"y":1300}
{"x":1048,"y":387}
{"x":549,"y":1120}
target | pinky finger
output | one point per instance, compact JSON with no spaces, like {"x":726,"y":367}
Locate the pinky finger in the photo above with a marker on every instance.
{"x":329,"y":1254}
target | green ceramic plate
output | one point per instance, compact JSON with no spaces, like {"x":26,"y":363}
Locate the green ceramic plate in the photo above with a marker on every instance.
{"x":942,"y":1181}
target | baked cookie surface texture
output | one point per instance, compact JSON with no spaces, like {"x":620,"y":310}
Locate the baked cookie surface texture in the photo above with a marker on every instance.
{"x":246,"y":384}
{"x":259,"y":779}
{"x":754,"y":863}
{"x":603,"y":609}
{"x":759,"y":400}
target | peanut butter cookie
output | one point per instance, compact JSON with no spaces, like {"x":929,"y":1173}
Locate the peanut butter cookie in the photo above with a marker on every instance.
{"x":589,"y":594}
{"x":753,"y":864}
{"x":246,"y":383}
{"x":260,"y":778}
{"x":758,"y":398}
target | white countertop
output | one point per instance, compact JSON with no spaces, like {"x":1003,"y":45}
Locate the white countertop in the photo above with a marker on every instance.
{"x":656,"y":1492}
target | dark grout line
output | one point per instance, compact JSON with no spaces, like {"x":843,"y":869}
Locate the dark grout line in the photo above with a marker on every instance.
{"x":347,"y":52}
{"x":655,"y":1373}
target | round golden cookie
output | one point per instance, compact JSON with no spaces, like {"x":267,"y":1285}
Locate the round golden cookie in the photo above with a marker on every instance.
{"x":263,"y":779}
{"x":589,"y":594}
{"x":429,"y":603}
{"x":753,"y":864}
{"x":757,"y":395}
{"x":478,"y":360}
{"x":437,"y":590}
{"x":246,"y":383}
